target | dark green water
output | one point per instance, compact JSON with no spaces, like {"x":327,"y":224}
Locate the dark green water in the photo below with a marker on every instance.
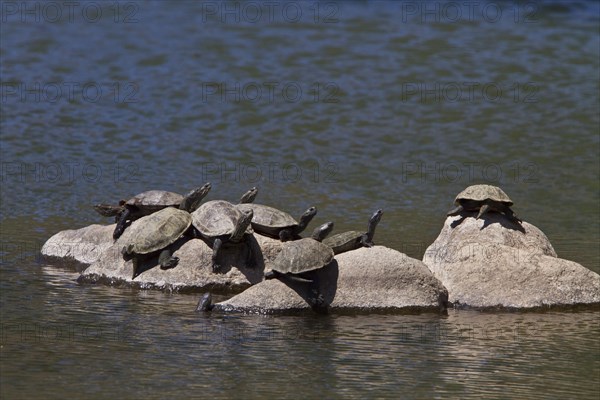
{"x":347,"y":106}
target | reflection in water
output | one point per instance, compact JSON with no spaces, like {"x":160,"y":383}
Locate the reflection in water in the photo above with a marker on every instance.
{"x":148,"y":341}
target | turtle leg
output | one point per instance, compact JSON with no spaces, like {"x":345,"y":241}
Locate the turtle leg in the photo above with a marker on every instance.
{"x":364,"y":241}
{"x":315,"y":297}
{"x":136,"y":265}
{"x":121,"y":224}
{"x":484,"y":208}
{"x":216,"y":247}
{"x":455,"y":211}
{"x":510,"y":214}
{"x":250,"y":260}
{"x":285,"y":235}
{"x":276,"y":274}
{"x":166,"y":259}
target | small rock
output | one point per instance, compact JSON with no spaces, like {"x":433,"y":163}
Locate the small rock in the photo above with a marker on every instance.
{"x":83,"y":245}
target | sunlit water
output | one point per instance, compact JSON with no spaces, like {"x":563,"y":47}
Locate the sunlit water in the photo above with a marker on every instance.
{"x":347,"y":106}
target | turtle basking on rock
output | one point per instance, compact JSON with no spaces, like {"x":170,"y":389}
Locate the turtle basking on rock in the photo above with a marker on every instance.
{"x":482,"y":199}
{"x":153,"y":233}
{"x":303,"y":255}
{"x":275,"y":223}
{"x":295,"y":259}
{"x":352,"y":240}
{"x":150,"y":202}
{"x":219,"y":222}
{"x":298,"y":259}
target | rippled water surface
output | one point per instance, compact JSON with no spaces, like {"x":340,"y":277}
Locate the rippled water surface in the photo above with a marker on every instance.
{"x":348,"y":106}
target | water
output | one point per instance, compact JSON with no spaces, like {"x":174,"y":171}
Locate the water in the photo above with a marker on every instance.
{"x":348,"y":106}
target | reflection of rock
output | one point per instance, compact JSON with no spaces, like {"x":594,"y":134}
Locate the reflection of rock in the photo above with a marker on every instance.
{"x":375,"y":279}
{"x":83,"y":245}
{"x":487,"y":263}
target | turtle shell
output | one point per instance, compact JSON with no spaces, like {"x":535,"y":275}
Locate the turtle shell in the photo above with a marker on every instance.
{"x":268,"y":219}
{"x":155,"y":199}
{"x":345,"y":241}
{"x":483,"y":192}
{"x":156,"y":231}
{"x":217,"y":218}
{"x":301,"y":256}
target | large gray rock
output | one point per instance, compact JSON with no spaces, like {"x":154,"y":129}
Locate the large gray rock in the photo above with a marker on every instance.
{"x":366,"y":279}
{"x":83,"y":245}
{"x":192,"y":273}
{"x":487,"y":263}
{"x":94,"y":246}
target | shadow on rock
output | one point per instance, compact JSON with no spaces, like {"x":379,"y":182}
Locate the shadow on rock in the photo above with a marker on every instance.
{"x":488,"y":219}
{"x":320,"y":293}
{"x":245,"y":256}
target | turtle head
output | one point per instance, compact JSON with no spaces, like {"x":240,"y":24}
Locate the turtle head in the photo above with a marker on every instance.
{"x":192,"y":200}
{"x":249,"y":196}
{"x":373,"y":221}
{"x":242,"y":225}
{"x":322,"y":231}
{"x":484,"y":208}
{"x":108,"y":210}
{"x":306,"y":218}
{"x":205,"y":303}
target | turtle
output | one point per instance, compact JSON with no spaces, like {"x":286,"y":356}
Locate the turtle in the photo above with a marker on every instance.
{"x":276,"y":223}
{"x":299,"y":256}
{"x":156,"y":232}
{"x":149,"y":202}
{"x":351,"y":240}
{"x":219,"y":222}
{"x":484,"y":198}
{"x":313,"y":255}
{"x":205,"y":303}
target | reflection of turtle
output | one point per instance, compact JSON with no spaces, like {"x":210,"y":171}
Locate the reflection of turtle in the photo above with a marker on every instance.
{"x":303,"y":255}
{"x":276,"y":223}
{"x":351,"y":240}
{"x":156,"y":232}
{"x":484,"y":198}
{"x":149,"y":202}
{"x":219,"y":222}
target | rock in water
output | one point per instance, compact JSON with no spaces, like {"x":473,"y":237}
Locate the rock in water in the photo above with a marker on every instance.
{"x":83,"y":245}
{"x":376,"y":279}
{"x":486,"y":264}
